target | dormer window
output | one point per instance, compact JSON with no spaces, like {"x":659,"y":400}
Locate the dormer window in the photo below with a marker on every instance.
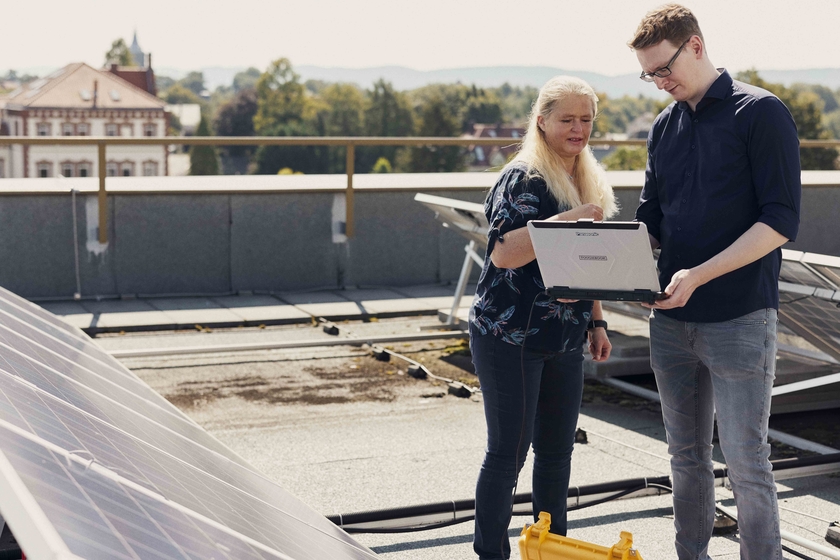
{"x":85,"y":95}
{"x":115,"y":95}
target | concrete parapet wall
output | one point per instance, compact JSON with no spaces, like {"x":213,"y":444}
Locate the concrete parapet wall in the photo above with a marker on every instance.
{"x":168,"y":238}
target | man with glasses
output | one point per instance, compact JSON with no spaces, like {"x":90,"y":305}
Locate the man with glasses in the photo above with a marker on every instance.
{"x":721,"y":195}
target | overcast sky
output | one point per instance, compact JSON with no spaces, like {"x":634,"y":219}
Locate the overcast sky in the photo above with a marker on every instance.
{"x":586,"y":35}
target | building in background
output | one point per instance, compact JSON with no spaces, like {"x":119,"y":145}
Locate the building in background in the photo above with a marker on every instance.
{"x":482,"y":158}
{"x":79,"y":100}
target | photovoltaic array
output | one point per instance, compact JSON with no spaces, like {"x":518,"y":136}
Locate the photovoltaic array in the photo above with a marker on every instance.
{"x":465,"y":218}
{"x":95,"y":464}
{"x":809,"y":296}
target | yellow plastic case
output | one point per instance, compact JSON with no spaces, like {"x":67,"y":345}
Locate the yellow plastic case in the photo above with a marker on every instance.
{"x":536,"y":543}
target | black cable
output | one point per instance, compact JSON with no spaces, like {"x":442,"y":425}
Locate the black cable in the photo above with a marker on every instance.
{"x":450,"y":522}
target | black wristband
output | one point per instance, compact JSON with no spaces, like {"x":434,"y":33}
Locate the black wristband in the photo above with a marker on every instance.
{"x":595,"y":324}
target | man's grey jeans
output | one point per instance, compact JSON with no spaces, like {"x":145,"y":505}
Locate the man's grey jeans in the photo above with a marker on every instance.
{"x":725,"y":370}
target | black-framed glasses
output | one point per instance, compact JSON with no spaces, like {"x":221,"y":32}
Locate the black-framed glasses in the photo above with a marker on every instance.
{"x":665,"y":70}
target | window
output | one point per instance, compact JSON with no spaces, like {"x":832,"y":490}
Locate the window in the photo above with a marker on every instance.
{"x":150,"y":168}
{"x":67,"y":169}
{"x":149,"y":129}
{"x":82,"y":129}
{"x":127,"y":169}
{"x":44,"y":169}
{"x":83,"y":169}
{"x":68,"y":129}
{"x":2,"y":169}
{"x":44,"y":129}
{"x":111,"y":169}
{"x":112,"y":129}
{"x":479,"y":153}
{"x":115,"y":95}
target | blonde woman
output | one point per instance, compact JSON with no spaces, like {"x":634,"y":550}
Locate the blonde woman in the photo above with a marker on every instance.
{"x":527,"y":348}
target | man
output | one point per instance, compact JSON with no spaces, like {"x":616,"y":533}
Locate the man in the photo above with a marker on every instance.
{"x":721,"y":195}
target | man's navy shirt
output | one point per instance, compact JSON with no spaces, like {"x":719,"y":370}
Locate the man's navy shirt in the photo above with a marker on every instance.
{"x":711,"y":175}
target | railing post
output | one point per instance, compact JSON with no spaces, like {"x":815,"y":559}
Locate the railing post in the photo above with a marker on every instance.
{"x":103,"y":196}
{"x":348,"y":220}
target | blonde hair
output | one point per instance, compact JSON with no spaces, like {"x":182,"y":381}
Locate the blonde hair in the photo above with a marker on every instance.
{"x":542,"y":161}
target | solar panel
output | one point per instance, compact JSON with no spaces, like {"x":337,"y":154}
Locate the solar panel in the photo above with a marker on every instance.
{"x":826,"y":265}
{"x":94,"y":466}
{"x":810,"y":269}
{"x":465,"y":218}
{"x":814,"y":319}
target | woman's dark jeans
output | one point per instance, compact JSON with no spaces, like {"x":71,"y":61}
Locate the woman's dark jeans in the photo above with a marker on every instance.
{"x":529,"y":397}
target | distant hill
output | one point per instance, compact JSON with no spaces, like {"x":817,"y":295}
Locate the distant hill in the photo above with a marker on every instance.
{"x":406,"y":78}
{"x":492,"y":76}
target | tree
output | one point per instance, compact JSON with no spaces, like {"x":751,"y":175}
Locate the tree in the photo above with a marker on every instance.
{"x":283,"y":109}
{"x":516,"y":102}
{"x":626,"y":157}
{"x":437,"y":118}
{"x":236,"y":118}
{"x":194,"y":81}
{"x":340,"y":110}
{"x":804,"y":106}
{"x":178,"y":94}
{"x":832,"y":124}
{"x":247,"y":79}
{"x":481,"y":106}
{"x":119,"y":54}
{"x":387,"y":113}
{"x":203,"y":159}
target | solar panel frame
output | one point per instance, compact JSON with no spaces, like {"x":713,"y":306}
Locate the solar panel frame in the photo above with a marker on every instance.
{"x":815,"y":319}
{"x":137,"y":473}
{"x":464,"y":218}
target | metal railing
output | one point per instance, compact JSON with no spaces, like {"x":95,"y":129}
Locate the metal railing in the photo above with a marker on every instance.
{"x":348,"y":142}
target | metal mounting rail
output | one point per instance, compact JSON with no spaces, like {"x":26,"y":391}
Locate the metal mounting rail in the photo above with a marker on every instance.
{"x":250,"y":347}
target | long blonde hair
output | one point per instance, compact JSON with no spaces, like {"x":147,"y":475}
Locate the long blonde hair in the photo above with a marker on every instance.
{"x":590,"y":181}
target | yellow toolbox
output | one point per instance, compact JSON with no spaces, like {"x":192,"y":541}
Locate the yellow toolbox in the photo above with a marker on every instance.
{"x":536,"y":543}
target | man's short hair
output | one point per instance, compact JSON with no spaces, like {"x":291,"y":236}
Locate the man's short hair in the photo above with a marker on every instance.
{"x":671,"y":22}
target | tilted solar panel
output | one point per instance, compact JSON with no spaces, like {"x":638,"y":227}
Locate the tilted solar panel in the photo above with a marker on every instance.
{"x":814,"y":319}
{"x":93,"y":466}
{"x":465,"y":218}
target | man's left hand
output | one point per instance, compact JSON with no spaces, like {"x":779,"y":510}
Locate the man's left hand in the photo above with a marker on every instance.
{"x":683,"y":283}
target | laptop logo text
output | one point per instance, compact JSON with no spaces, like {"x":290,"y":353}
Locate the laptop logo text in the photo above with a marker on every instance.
{"x":586,"y":234}
{"x":592,"y":257}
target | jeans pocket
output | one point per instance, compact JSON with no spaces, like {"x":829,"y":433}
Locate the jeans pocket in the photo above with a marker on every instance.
{"x":751,"y":319}
{"x":748,"y":322}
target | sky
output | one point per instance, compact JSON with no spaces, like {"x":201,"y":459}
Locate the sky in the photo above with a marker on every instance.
{"x":585,"y":35}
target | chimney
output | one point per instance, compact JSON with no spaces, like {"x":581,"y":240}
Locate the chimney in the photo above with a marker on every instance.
{"x":95,"y":92}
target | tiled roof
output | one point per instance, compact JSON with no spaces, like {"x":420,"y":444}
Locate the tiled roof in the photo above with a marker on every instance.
{"x":73,"y":87}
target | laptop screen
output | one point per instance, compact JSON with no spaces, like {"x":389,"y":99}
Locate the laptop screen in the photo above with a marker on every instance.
{"x":589,"y":255}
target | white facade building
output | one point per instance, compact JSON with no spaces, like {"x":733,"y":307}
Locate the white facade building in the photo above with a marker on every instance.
{"x":79,"y":100}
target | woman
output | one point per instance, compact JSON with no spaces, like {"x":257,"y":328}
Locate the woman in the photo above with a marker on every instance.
{"x":527,"y":348}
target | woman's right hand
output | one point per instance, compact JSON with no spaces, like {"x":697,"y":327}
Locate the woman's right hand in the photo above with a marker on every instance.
{"x":584,"y":211}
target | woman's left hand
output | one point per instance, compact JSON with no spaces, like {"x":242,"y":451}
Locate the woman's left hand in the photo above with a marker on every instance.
{"x":599,"y":344}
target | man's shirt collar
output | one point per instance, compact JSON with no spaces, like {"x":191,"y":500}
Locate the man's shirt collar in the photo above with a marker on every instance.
{"x":721,"y":88}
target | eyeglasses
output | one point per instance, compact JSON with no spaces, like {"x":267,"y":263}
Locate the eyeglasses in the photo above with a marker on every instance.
{"x":665,"y":70}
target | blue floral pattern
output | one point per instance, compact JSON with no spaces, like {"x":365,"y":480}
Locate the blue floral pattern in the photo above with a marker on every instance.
{"x":504,"y":296}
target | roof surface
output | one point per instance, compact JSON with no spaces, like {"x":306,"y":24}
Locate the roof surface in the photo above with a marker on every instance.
{"x":73,"y":87}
